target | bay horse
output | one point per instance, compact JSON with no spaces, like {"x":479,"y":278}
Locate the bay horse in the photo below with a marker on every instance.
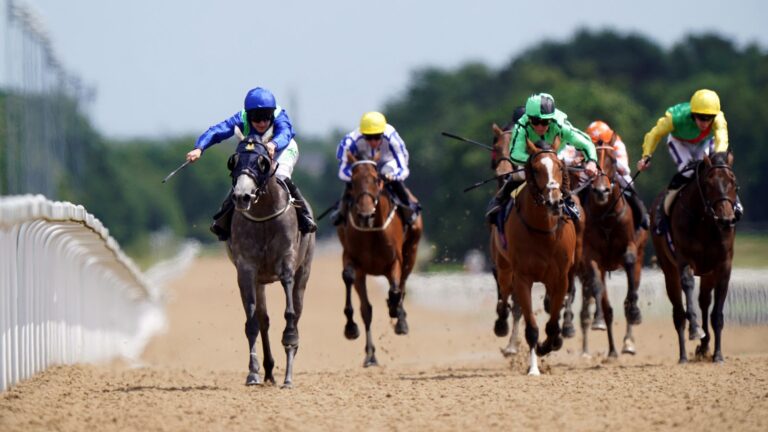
{"x":699,"y":242}
{"x":376,"y":241}
{"x":266,"y":246}
{"x":501,"y":266}
{"x":541,"y":247}
{"x":610,"y":242}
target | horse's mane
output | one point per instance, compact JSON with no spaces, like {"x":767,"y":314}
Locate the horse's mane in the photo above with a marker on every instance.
{"x":720,"y":158}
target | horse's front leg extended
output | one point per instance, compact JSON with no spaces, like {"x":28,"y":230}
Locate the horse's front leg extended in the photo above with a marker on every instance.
{"x":366,"y":310}
{"x":705,"y":298}
{"x":351,"y":331}
{"x":247,"y":295}
{"x":263,"y":317}
{"x":569,"y":330}
{"x":687,"y":281}
{"x":718,"y":321}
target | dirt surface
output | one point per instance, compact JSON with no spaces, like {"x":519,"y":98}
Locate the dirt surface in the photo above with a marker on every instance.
{"x":447,"y":374}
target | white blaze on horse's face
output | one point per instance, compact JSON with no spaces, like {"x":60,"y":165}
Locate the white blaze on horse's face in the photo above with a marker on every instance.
{"x":244,"y":192}
{"x":553,"y":186}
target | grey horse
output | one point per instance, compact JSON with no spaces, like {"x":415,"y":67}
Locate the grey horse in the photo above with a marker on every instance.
{"x":266,"y":246}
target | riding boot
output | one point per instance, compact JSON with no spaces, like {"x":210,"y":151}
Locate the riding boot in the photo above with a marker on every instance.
{"x":410,"y":209}
{"x":339,"y":214}
{"x":639,"y":212}
{"x":677,"y":183}
{"x":502,"y":197}
{"x":306,"y":222}
{"x":570,"y":206}
{"x":222,"y":220}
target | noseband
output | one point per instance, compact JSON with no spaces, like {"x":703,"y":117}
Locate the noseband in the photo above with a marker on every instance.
{"x":374,"y":197}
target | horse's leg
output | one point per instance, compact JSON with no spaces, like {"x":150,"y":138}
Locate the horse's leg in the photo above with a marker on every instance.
{"x":366,"y":310}
{"x":501,"y":326}
{"x":261,"y":313}
{"x":514,"y":338}
{"x":586,"y":294}
{"x":554,"y":342}
{"x":350,"y":329}
{"x":705,"y":298}
{"x":632,"y":267}
{"x":522,"y":290}
{"x":598,"y":323}
{"x":608,"y":312}
{"x":688,"y":282}
{"x":568,"y":329}
{"x":675,"y":294}
{"x":631,"y":311}
{"x":247,"y":295}
{"x":395,"y":299}
{"x":301,"y":277}
{"x":721,"y":292}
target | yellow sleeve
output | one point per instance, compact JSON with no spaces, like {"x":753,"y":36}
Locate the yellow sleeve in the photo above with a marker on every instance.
{"x":720,"y":130}
{"x":663,"y":127}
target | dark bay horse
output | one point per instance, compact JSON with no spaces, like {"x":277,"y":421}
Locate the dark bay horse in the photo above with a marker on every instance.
{"x":702,"y":231}
{"x":266,"y":246}
{"x":610,"y":242}
{"x":541,"y":247}
{"x":375,"y":242}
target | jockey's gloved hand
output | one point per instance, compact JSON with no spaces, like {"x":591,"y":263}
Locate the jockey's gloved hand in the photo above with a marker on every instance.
{"x":389,"y":177}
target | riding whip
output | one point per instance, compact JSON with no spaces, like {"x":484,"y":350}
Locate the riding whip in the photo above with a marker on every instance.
{"x":175,"y":171}
{"x":485,"y":146}
{"x":328,"y":210}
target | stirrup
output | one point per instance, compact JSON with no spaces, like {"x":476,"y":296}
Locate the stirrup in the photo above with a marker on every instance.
{"x":738,"y":211}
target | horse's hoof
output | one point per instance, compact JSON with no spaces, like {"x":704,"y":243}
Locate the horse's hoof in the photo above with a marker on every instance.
{"x":599,"y":324}
{"x":718,"y":358}
{"x":534,"y":371}
{"x":569,"y":330}
{"x":508,"y":351}
{"x":401,"y":327}
{"x":682,"y":361}
{"x":501,"y":328}
{"x":629,"y":348}
{"x":269,"y":379}
{"x":695,"y":333}
{"x":253,"y":379}
{"x":287,"y":385}
{"x":290,"y":338}
{"x":613,"y":355}
{"x":351,"y":331}
{"x":370,"y":362}
{"x":634,"y":317}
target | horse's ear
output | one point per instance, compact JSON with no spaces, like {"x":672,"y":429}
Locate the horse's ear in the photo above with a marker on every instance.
{"x":497,"y":132}
{"x":351,"y":158}
{"x":556,"y":144}
{"x":707,"y":161}
{"x":530,"y":146}
{"x":729,"y":157}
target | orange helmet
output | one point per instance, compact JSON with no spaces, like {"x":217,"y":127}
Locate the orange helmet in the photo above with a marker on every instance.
{"x":599,"y":131}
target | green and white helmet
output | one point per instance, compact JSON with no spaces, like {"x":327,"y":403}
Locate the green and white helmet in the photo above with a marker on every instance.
{"x":540,"y":105}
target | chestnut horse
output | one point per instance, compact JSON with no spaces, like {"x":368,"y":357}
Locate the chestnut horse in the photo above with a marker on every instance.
{"x":702,"y":230}
{"x":610,"y":242}
{"x":375,"y":242}
{"x":541,"y":247}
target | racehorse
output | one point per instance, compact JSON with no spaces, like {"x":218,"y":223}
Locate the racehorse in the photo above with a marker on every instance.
{"x":501,"y":266}
{"x":699,"y":241}
{"x":541,"y":247}
{"x":610,"y":242}
{"x":376,"y":241}
{"x":266,"y":246}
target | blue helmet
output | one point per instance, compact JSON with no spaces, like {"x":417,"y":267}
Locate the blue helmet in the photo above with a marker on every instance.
{"x":259,"y":98}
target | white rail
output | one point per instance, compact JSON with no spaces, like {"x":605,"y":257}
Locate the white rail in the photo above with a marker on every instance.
{"x":67,"y":292}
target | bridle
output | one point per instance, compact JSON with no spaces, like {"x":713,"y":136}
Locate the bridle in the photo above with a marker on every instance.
{"x":374,"y":197}
{"x":538,"y":193}
{"x":709,"y":206}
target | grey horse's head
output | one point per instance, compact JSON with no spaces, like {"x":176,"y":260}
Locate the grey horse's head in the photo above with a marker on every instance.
{"x":251,"y":169}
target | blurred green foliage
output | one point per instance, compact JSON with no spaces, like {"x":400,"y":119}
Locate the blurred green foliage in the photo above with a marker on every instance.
{"x":624,"y":79}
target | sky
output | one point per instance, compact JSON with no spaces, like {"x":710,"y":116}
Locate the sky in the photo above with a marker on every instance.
{"x":169,"y":67}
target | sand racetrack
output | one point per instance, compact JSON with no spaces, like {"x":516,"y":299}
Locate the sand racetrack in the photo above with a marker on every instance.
{"x":447,"y":374}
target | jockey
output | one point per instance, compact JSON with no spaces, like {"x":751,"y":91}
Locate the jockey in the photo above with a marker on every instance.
{"x":375,"y":134}
{"x":269,"y":124}
{"x":695,"y":129}
{"x":542,"y":121}
{"x":602,"y":134}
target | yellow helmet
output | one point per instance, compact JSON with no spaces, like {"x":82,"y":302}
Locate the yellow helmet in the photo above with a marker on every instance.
{"x":373,"y":123}
{"x":705,"y":102}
